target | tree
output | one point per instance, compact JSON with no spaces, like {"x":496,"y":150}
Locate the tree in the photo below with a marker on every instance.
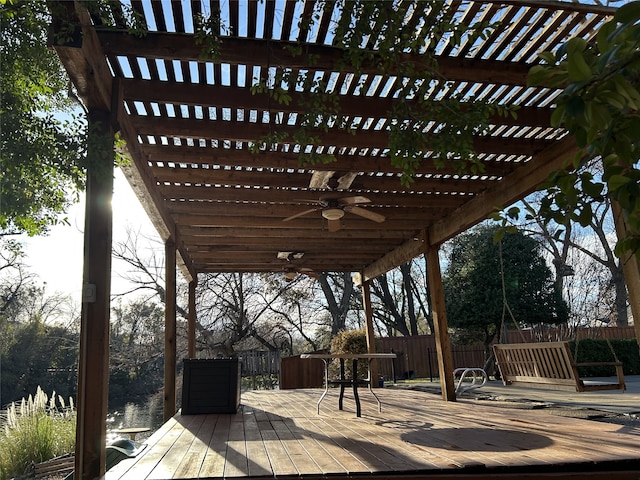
{"x":338,"y":290}
{"x":147,"y":269}
{"x":581,"y":244}
{"x":39,"y":355}
{"x":13,"y":277}
{"x":487,"y":281}
{"x":600,"y":107}
{"x":236,"y":312}
{"x":41,"y":151}
{"x":136,"y":351}
{"x":38,"y":334}
{"x":404,"y":301}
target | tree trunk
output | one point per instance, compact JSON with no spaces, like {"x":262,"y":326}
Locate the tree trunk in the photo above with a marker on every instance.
{"x":411,"y":312}
{"x":622,"y":298}
{"x":338,"y":311}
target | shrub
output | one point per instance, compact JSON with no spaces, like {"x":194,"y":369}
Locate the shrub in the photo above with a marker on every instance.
{"x":35,"y":430}
{"x":590,"y":350}
{"x":349,"y":341}
{"x":629,"y":354}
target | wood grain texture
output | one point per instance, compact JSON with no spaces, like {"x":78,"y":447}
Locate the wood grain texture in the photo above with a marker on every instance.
{"x":279,"y":434}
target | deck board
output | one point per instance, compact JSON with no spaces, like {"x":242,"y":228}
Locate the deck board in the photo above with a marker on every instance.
{"x":214,"y":460}
{"x":259,"y":464}
{"x":280,"y":434}
{"x":190,"y":465}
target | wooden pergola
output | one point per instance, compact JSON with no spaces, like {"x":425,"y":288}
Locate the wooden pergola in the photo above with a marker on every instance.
{"x":220,"y":206}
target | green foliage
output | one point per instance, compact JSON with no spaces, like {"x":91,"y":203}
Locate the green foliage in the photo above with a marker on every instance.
{"x":43,"y":144}
{"x":600,"y":107}
{"x":373,"y":34}
{"x":135,"y":351}
{"x":35,"y":430}
{"x":207,"y":33}
{"x":39,"y":148}
{"x":628,"y":353}
{"x":590,"y":350}
{"x":37,"y":355}
{"x":473,"y":284}
{"x":132,"y":20}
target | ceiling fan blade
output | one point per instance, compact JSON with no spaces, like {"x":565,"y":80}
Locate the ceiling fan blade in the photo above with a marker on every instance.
{"x":301,"y":214}
{"x":334,"y":225}
{"x":308,"y":271}
{"x":353,"y":200}
{"x":368,"y":214}
{"x":320,"y":179}
{"x":345,"y":181}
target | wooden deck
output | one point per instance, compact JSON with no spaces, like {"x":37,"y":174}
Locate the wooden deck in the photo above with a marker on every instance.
{"x":278,"y":434}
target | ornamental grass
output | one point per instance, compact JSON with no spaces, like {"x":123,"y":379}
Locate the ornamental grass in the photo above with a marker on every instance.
{"x":34,"y":430}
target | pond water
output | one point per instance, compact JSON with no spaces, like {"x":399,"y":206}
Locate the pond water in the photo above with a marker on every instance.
{"x":148,"y":414}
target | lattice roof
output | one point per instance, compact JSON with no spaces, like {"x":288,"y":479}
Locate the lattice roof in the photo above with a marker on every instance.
{"x":189,"y":123}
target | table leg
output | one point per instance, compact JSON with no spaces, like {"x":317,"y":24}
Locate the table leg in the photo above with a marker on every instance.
{"x":326,"y":382}
{"x":354,"y":380}
{"x":342,"y":378}
{"x":371,"y":389}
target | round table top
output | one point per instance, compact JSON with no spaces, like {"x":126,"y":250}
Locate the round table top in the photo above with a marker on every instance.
{"x":132,"y":430}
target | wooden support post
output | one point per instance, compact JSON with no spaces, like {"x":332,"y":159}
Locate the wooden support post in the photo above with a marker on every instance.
{"x":371,"y":337}
{"x":443,"y":343}
{"x":629,"y":268}
{"x":192,"y":319}
{"x":170,"y":331}
{"x":93,"y":366}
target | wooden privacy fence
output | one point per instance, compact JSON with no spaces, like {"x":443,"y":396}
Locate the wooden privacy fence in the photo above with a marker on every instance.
{"x":296,"y":372}
{"x":558,"y":334}
{"x":417,"y":357}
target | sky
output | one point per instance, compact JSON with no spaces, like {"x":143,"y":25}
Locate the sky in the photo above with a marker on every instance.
{"x":57,"y":258}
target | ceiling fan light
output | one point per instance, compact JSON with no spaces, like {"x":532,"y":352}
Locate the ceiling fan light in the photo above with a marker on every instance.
{"x":333,"y":213}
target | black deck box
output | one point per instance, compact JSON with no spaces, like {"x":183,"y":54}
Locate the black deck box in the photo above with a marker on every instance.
{"x":210,"y":386}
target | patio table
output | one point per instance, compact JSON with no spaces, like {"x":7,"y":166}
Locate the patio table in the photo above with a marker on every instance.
{"x":354,"y":381}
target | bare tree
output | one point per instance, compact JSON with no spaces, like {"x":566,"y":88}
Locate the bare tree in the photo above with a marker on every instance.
{"x":238,"y":312}
{"x":403,"y":299}
{"x":339,"y":293}
{"x":13,"y":274}
{"x":593,"y":242}
{"x":295,"y":319}
{"x":146,"y":267}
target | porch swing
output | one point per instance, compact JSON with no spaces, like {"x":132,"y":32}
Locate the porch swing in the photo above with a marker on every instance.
{"x":547,"y":364}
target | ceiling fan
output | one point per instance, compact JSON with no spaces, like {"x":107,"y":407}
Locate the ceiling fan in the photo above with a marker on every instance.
{"x":333,"y":209}
{"x":323,"y":179}
{"x":291,"y":271}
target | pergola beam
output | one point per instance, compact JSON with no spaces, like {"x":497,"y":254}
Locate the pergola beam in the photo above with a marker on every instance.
{"x":160,"y":92}
{"x":170,"y":154}
{"x":517,"y":185}
{"x":251,"y":132}
{"x":249,"y":51}
{"x":195,"y":193}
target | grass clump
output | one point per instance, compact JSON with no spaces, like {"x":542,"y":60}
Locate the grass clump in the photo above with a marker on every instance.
{"x":35,"y":430}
